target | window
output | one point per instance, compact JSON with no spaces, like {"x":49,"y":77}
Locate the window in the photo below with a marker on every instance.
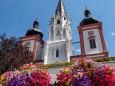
{"x":92,"y":43}
{"x":90,"y":33}
{"x":58,"y":22}
{"x":64,"y":18}
{"x":57,"y":53}
{"x":58,"y":33}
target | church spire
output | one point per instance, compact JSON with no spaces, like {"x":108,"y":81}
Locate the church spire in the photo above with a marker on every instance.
{"x":60,"y":8}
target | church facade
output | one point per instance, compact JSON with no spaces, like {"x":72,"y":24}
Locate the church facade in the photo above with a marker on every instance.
{"x":58,"y":47}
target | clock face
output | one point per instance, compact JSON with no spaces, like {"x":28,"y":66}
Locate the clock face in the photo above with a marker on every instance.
{"x":58,"y":33}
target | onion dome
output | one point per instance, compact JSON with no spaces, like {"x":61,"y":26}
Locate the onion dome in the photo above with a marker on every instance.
{"x":35,"y":30}
{"x":88,"y":19}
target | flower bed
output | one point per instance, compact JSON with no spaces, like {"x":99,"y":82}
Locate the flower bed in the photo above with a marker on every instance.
{"x":86,"y":73}
{"x":28,"y":75}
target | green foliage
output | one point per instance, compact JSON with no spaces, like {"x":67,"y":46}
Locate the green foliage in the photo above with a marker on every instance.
{"x":104,"y":59}
{"x":55,"y":65}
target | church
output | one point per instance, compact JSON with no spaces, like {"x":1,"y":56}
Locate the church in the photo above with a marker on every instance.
{"x":58,"y":46}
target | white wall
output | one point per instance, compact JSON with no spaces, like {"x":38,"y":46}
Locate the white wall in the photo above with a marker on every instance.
{"x":40,"y":52}
{"x":58,"y":59}
{"x":99,"y":48}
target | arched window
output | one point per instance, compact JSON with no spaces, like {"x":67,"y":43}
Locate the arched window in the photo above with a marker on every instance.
{"x":58,"y":33}
{"x":64,"y":18}
{"x":92,"y":41}
{"x":58,"y":22}
{"x":57,"y":53}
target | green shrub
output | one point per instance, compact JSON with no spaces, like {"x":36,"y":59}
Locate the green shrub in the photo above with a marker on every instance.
{"x":57,"y":64}
{"x":112,"y":58}
{"x":104,"y":59}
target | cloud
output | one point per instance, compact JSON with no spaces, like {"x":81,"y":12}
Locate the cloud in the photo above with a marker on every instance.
{"x":112,"y":33}
{"x":78,"y":50}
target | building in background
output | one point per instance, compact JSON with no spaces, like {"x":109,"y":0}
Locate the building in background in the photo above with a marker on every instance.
{"x":91,"y":37}
{"x":34,"y":41}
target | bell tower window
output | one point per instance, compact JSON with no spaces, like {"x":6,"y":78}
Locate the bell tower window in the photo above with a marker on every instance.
{"x":91,"y":39}
{"x":64,"y":18}
{"x":92,"y":43}
{"x":58,"y":22}
{"x":57,"y":53}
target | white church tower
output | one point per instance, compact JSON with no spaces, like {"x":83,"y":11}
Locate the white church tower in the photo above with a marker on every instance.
{"x":58,"y":47}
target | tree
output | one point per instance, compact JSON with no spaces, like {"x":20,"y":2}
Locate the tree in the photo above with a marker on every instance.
{"x":12,"y":53}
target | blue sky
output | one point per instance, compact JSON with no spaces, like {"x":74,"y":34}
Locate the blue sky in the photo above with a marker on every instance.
{"x":17,"y":16}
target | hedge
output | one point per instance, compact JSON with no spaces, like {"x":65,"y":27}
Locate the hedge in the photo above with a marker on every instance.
{"x":104,"y":59}
{"x":55,"y":65}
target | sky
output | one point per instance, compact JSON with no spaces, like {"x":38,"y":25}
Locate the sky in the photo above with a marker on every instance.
{"x":17,"y":16}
